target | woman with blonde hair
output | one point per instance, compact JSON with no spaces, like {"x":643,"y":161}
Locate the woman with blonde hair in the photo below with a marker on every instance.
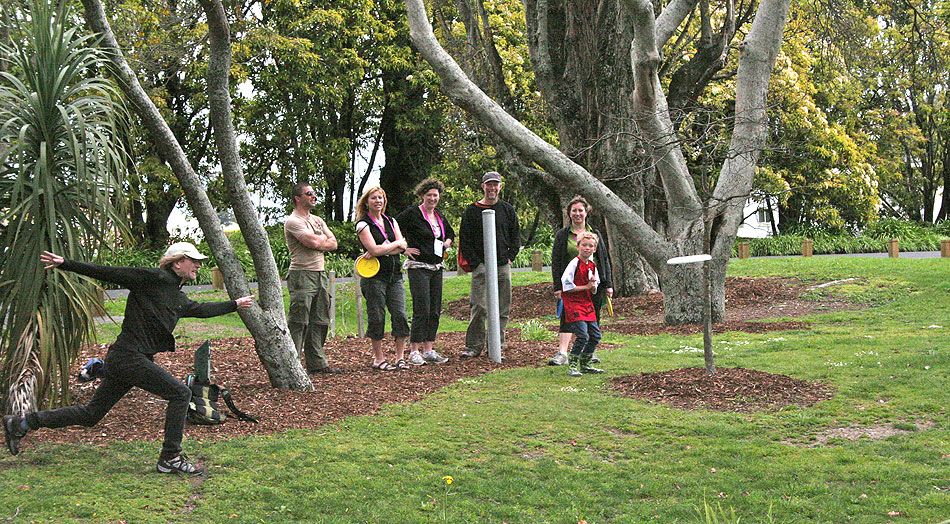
{"x":382,"y":239}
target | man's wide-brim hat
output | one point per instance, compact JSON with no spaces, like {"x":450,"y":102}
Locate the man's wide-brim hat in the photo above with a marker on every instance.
{"x":184,"y":248}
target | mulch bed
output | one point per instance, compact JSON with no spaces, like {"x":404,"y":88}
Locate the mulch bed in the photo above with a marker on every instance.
{"x":746,"y":299}
{"x":361,"y":390}
{"x":729,"y":389}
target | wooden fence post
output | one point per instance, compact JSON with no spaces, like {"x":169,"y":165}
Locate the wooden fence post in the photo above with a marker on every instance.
{"x":808,"y":247}
{"x":945,"y":248}
{"x":332,"y":331}
{"x":359,"y":306}
{"x":893,"y":248}
{"x":217,"y":278}
{"x":743,"y":248}
{"x":537,"y":263}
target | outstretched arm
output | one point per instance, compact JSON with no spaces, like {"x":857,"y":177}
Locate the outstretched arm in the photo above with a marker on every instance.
{"x":128,"y":277}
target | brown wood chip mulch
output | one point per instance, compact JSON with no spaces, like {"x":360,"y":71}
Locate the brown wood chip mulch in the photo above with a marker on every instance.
{"x":729,"y":389}
{"x":360,"y":390}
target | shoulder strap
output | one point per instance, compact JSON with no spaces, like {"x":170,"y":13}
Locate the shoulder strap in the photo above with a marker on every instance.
{"x":238,"y":414}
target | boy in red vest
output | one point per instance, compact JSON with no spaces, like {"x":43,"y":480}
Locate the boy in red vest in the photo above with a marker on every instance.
{"x":579,"y":282}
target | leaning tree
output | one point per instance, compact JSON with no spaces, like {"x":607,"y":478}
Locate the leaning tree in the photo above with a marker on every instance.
{"x":266,"y":320}
{"x":688,"y":219}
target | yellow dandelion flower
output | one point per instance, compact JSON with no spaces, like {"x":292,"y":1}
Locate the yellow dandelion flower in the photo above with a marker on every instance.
{"x":448,"y":479}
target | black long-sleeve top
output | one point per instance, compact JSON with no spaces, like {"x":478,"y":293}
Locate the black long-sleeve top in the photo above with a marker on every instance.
{"x":507,"y":233}
{"x":560,"y":260}
{"x":153,"y":308}
{"x":418,"y":233}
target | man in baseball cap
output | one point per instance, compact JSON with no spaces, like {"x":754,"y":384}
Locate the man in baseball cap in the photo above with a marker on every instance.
{"x":183,"y":248}
{"x":154,"y":305}
{"x":472,"y":246}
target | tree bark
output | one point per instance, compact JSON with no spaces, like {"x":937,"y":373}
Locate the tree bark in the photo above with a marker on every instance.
{"x":265,"y":319}
{"x":683,"y":228}
{"x":467,"y":96}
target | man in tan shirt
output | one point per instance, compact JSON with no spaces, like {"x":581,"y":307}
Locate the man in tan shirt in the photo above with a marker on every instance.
{"x":308,"y":238}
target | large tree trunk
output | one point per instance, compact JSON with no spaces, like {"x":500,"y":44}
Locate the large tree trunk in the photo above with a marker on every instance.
{"x":410,"y":149}
{"x":265,"y":320}
{"x":683,"y":224}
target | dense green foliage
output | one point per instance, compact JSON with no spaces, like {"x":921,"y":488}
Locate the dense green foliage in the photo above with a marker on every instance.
{"x":911,"y":236}
{"x":61,"y":158}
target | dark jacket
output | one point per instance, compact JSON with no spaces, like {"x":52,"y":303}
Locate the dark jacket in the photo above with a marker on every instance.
{"x":389,"y":265}
{"x":507,"y":233}
{"x":418,"y":233}
{"x":153,"y":308}
{"x":560,"y":260}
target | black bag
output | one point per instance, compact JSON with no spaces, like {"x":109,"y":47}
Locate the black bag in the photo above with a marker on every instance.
{"x":203,"y":408}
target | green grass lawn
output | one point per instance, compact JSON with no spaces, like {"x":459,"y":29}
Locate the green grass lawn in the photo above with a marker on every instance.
{"x":532,"y":445}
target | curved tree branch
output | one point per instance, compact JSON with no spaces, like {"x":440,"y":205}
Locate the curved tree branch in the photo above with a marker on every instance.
{"x":652,"y":115}
{"x":467,"y":96}
{"x":266,"y":324}
{"x":671,"y":18}
{"x":757,"y":59}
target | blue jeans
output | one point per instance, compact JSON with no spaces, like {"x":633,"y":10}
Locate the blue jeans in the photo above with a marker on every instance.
{"x":586,"y":337}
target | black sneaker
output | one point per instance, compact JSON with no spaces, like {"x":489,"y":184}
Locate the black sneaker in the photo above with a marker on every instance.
{"x":12,"y":428}
{"x":470,"y":353}
{"x":179,"y":464}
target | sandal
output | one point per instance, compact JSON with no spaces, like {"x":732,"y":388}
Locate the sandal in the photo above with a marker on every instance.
{"x":385,"y":366}
{"x":402,"y":364}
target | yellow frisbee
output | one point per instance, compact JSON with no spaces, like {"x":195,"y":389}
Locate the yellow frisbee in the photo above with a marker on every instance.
{"x":610,"y":307}
{"x":367,"y":266}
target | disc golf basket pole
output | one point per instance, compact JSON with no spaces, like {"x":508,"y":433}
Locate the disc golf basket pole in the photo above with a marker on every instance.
{"x":491,"y":285}
{"x":707,"y":306}
{"x":332,"y":303}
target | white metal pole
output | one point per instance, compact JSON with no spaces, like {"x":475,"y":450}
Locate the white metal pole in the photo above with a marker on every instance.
{"x":491,"y":285}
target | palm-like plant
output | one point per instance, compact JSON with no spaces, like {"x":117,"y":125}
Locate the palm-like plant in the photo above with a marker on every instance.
{"x":60,"y":159}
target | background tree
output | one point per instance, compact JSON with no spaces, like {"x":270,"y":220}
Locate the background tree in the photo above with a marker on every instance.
{"x":685,"y":216}
{"x":61,"y":158}
{"x":330,"y":80}
{"x":906,"y":77}
{"x":267,"y":322}
{"x":820,"y":169}
{"x":168,"y":51}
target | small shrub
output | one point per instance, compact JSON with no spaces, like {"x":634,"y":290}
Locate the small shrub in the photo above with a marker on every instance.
{"x":535,"y":330}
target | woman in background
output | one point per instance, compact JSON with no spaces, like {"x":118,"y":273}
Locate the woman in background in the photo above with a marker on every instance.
{"x":429,"y":235}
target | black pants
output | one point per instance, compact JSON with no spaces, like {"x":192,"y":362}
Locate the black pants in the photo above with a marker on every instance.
{"x":125,"y":369}
{"x":425,"y":286}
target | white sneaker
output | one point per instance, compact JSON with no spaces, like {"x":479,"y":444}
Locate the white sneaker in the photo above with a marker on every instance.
{"x":179,"y":464}
{"x":416,"y":359}
{"x":432,"y":357}
{"x":559,"y":359}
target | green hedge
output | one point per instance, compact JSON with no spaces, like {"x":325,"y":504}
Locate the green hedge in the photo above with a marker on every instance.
{"x":911,"y":237}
